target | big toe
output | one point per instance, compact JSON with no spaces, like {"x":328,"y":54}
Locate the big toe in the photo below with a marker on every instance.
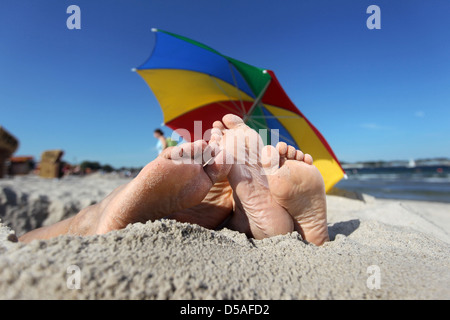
{"x":232,"y":121}
{"x":187,"y":153}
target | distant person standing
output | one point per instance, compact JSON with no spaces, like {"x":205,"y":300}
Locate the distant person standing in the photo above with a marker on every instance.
{"x":162,"y":142}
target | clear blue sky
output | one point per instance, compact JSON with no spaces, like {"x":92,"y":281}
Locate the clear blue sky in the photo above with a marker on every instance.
{"x":374,"y":94}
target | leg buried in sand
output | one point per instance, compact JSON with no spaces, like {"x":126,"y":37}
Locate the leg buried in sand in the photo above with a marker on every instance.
{"x":173,"y":182}
{"x":234,"y":180}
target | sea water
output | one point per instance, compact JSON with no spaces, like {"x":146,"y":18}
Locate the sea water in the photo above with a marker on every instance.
{"x":427,"y":183}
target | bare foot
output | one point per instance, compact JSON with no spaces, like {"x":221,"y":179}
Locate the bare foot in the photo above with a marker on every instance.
{"x":173,"y":182}
{"x":256,"y":213}
{"x":218,"y":204}
{"x":215,"y":208}
{"x":297,"y":185}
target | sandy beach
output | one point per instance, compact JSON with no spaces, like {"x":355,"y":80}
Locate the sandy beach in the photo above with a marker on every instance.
{"x":379,"y":249}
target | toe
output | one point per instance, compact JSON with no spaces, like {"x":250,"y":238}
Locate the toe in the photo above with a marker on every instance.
{"x":291,"y":153}
{"x":270,"y":159}
{"x":218,"y":125}
{"x":218,"y":169}
{"x":188,"y":152}
{"x":232,"y":121}
{"x":216,"y":131}
{"x":282,"y":148}
{"x":216,"y":134}
{"x":299,"y":156}
{"x":308,"y":159}
{"x":173,"y":153}
{"x":170,"y":152}
{"x":216,"y":137}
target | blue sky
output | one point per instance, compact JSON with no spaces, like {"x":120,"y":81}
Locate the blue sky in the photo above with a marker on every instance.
{"x":374,"y":94}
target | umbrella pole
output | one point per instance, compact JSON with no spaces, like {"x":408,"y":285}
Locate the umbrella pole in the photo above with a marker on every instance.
{"x":257,"y":101}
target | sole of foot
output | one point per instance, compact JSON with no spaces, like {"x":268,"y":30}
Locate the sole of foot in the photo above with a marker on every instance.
{"x":297,"y":185}
{"x":256,"y":212}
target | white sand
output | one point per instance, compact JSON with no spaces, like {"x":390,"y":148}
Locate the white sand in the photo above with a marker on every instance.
{"x":407,"y":241}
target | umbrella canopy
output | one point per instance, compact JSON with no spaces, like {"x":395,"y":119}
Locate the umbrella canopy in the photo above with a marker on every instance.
{"x":193,"y":82}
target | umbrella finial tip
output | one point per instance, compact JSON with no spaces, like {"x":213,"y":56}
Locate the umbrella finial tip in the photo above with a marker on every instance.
{"x":154,"y":30}
{"x":264,"y":71}
{"x":133,"y":69}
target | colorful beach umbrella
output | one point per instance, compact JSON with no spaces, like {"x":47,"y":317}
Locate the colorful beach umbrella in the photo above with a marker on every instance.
{"x":193,"y":82}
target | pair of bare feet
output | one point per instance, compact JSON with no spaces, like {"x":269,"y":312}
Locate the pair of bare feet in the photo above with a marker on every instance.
{"x":273,"y":191}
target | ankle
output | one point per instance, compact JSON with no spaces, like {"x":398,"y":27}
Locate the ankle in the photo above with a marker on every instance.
{"x":85,"y":222}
